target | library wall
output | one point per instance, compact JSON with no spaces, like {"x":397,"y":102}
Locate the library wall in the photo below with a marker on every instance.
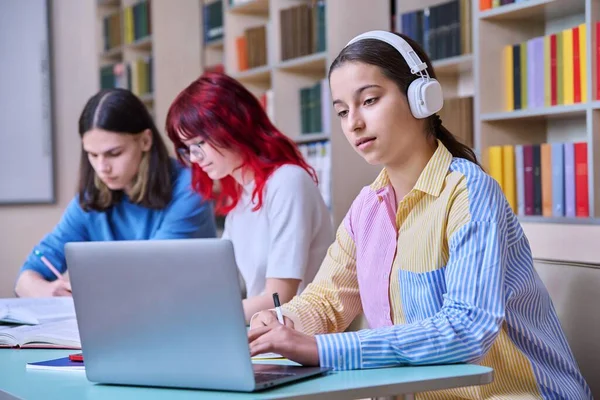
{"x":74,"y":81}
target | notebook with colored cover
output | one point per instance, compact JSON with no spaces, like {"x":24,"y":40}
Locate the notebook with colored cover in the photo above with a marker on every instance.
{"x":57,"y":364}
{"x":61,"y":334}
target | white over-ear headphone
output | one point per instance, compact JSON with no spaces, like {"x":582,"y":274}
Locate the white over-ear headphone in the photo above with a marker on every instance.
{"x":425,"y":95}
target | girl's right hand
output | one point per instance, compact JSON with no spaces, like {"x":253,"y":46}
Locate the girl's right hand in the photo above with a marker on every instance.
{"x":267,"y":317}
{"x":59,"y":287}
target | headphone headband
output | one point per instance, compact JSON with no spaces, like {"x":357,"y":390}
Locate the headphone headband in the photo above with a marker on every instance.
{"x":424,"y":94}
{"x":410,"y":56}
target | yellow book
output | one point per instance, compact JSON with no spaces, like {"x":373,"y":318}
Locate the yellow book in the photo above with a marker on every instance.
{"x":583,"y":62}
{"x":559,"y":69}
{"x":496,"y":170}
{"x":508,"y":176}
{"x":509,"y":95}
{"x":568,"y":81}
{"x":134,"y":78}
{"x":547,"y":77}
{"x":128,"y":26}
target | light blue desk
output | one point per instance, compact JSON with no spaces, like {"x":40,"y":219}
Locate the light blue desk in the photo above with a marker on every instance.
{"x":16,"y":380}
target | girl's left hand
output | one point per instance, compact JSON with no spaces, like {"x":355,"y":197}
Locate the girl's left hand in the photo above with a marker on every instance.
{"x":283,"y":340}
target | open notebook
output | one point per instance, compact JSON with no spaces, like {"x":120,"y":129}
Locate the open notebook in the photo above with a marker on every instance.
{"x":62,"y":334}
{"x":33,"y":311}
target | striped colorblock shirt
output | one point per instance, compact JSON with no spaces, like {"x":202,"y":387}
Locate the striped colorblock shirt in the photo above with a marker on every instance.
{"x":445,"y":277}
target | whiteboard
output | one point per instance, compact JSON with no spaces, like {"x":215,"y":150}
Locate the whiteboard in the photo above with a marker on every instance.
{"x":26,"y":150}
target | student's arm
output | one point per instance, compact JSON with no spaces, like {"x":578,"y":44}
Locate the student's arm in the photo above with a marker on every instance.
{"x":285,"y":288}
{"x":473,"y":310}
{"x":187,"y":215}
{"x":35,"y":279}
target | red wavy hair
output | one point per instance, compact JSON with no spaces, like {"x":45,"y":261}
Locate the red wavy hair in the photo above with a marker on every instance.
{"x":225,"y":114}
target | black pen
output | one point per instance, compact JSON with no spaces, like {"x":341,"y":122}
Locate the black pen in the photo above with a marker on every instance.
{"x":278,"y":308}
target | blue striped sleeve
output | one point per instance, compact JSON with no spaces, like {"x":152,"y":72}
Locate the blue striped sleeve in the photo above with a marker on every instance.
{"x":463,"y":329}
{"x":339,"y":350}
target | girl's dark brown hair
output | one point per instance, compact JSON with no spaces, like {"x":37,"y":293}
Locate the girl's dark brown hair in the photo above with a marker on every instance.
{"x":394,"y":67}
{"x":120,"y":111}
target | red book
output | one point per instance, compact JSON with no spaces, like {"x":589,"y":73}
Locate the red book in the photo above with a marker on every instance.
{"x":582,"y":205}
{"x":576,"y":67}
{"x":597,"y":59}
{"x":553,"y":78}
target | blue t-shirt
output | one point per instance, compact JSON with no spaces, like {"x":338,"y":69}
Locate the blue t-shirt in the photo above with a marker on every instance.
{"x":186,"y":216}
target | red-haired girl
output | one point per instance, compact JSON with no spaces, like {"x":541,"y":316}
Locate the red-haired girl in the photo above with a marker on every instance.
{"x":276,"y":218}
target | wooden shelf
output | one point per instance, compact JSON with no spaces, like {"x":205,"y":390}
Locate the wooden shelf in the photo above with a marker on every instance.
{"x":453,"y":65}
{"x":569,"y":111}
{"x":313,"y":63}
{"x":534,"y":10}
{"x":254,"y":75}
{"x":115,"y":52}
{"x":258,"y":7}
{"x":558,"y":220}
{"x":215,"y":44}
{"x":143,"y":44}
{"x":311,"y":137}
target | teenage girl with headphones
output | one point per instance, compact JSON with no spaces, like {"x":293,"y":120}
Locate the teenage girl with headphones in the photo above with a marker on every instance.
{"x":430,"y":252}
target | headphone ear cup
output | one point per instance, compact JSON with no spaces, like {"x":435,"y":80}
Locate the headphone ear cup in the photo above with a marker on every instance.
{"x":425,"y":97}
{"x":433,"y":97}
{"x":413,"y":95}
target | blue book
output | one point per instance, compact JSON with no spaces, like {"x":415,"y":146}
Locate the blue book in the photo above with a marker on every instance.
{"x":558,"y":180}
{"x":569,"y":161}
{"x":57,"y":364}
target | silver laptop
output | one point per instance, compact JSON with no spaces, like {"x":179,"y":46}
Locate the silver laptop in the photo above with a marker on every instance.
{"x":166,"y":313}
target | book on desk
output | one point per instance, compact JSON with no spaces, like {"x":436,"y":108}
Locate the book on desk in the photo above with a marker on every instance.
{"x":38,"y":323}
{"x":57,"y":364}
{"x":61,"y":334}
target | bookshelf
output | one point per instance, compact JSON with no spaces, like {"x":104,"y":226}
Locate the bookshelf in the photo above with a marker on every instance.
{"x":527,"y":98}
{"x":280,"y":50}
{"x":443,"y":29}
{"x":473,"y":77}
{"x":125,"y":43}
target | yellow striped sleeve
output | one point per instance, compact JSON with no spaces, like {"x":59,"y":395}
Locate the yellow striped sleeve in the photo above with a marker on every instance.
{"x":331,"y":302}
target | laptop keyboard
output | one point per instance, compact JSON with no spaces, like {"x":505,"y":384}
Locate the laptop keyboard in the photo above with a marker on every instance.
{"x":262,"y":377}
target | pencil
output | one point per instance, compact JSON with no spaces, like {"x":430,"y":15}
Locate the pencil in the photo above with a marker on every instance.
{"x":48,"y":264}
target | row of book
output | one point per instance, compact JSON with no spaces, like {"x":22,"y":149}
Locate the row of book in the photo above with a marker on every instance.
{"x":315,"y":101}
{"x":233,"y":3}
{"x":548,"y":179}
{"x":136,"y":76}
{"x":318,"y":156}
{"x":127,"y":25}
{"x":443,"y":30}
{"x":251,"y":48}
{"x":487,"y":4}
{"x":137,"y":22}
{"x":302,"y":30}
{"x":457,"y":117}
{"x":213,"y":21}
{"x":111,"y":31}
{"x":547,"y":70}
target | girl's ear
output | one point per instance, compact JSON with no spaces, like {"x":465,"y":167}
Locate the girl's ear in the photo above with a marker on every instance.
{"x":146,"y":140}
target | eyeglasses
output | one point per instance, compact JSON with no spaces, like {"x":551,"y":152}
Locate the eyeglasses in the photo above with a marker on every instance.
{"x":195,"y":150}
